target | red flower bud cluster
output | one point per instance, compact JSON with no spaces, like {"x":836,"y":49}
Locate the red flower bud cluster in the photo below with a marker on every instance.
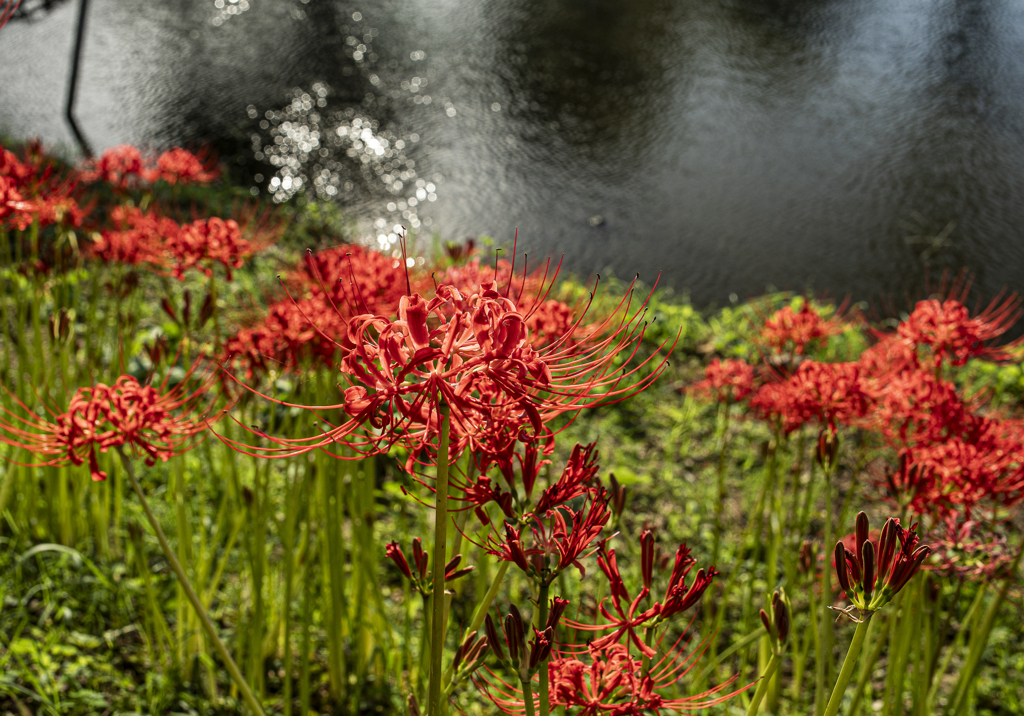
{"x":418,"y":573}
{"x":872,"y":575}
{"x":628,"y":614}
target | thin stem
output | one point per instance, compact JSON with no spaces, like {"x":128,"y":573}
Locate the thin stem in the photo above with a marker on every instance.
{"x":762,"y":686}
{"x":836,"y":700}
{"x":440,"y":544}
{"x":481,"y":611}
{"x":193,"y":598}
{"x":528,"y":698}
{"x":542,"y":618}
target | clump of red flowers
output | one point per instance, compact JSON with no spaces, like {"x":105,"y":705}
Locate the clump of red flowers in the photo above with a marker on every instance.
{"x":148,"y":237}
{"x":473,"y":354}
{"x":798,"y":329}
{"x":314,"y":315}
{"x":728,"y":381}
{"x":35,"y":189}
{"x":158,"y":421}
{"x":124,"y":168}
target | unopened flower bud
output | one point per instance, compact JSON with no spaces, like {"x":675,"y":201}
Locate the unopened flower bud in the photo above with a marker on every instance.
{"x":450,"y":571}
{"x":618,"y":497}
{"x":828,"y":447}
{"x":806,"y":559}
{"x":393,"y":552}
{"x":647,"y":557}
{"x":492,"y":638}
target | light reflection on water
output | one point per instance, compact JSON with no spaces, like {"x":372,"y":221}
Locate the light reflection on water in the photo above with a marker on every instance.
{"x":851,"y":145}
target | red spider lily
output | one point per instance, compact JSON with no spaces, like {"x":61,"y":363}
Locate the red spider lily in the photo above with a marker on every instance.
{"x":729,"y":381}
{"x":180,"y":166}
{"x":951,"y":335}
{"x":147,"y":237}
{"x":557,"y":547}
{"x":547,"y":319}
{"x":36,"y":190}
{"x":576,"y":479}
{"x":122,"y":167}
{"x":102,"y":416}
{"x":969,"y":549}
{"x":474,"y":355}
{"x":830,"y":393}
{"x":872,"y":575}
{"x":984,"y":462}
{"x":209,"y":241}
{"x":799,"y":328}
{"x":613,"y":683}
{"x":629,"y":616}
{"x":298,"y":328}
{"x":366,"y":281}
{"x":141,"y":237}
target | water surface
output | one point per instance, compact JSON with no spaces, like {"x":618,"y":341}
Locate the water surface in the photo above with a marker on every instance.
{"x":851,"y":146}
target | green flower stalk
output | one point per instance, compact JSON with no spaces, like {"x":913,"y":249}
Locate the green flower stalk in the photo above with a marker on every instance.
{"x":777,"y":624}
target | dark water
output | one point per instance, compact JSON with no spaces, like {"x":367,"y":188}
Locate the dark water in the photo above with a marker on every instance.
{"x":853,"y":146}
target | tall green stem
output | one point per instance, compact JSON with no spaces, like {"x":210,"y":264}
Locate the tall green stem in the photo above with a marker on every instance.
{"x":762,"y":687}
{"x":836,"y":700}
{"x":440,"y":545}
{"x":824,"y":649}
{"x":542,"y":618}
{"x":193,"y":598}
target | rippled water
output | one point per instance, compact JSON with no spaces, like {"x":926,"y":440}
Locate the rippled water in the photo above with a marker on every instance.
{"x":847,"y":145}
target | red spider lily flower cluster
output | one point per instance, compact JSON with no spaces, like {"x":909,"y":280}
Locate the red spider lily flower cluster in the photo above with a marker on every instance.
{"x":950,"y":458}
{"x":547,"y":319}
{"x":952,"y":335}
{"x":418,"y":573}
{"x":969,"y":549}
{"x":123,"y":167}
{"x":140,"y":237}
{"x":558,"y":546}
{"x":798,"y":329}
{"x":155,"y":420}
{"x":728,"y":381}
{"x":473,"y":354}
{"x":34,"y":189}
{"x":147,"y":237}
{"x":628,"y":614}
{"x":829,"y":393}
{"x":611,"y":681}
{"x":180,"y":166}
{"x":872,"y":575}
{"x":314,"y":315}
